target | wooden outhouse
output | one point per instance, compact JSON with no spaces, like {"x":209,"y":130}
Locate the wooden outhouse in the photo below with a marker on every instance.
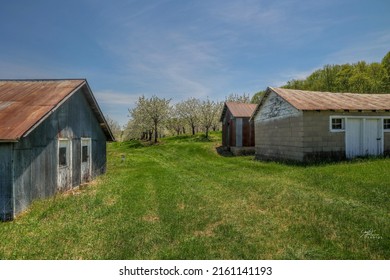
{"x":52,"y":138}
{"x":314,"y":126}
{"x":237,"y":129}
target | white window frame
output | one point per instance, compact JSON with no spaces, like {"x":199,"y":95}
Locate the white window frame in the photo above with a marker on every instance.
{"x":342,"y":129}
{"x":69,"y":161}
{"x":69,"y":153}
{"x":89,"y":144}
{"x":383,"y":125}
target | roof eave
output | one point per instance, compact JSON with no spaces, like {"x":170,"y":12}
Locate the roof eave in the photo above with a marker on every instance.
{"x":223,"y":112}
{"x":9,"y":140}
{"x":102,"y":121}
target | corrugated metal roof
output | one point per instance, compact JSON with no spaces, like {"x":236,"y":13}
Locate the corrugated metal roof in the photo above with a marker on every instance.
{"x":315,"y":100}
{"x":239,"y":110}
{"x":25,"y":103}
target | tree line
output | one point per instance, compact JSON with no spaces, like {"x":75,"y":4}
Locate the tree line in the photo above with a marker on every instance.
{"x":155,"y":117}
{"x":360,"y":77}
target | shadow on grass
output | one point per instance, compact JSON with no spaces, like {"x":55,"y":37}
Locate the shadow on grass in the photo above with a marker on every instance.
{"x":322,"y":162}
{"x":222,"y":151}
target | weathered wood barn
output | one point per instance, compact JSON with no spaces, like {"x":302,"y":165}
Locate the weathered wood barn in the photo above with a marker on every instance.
{"x":238,"y":134}
{"x":313,"y":126}
{"x":52,"y":138}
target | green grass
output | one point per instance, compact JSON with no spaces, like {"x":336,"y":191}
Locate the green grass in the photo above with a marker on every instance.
{"x":181,"y":200}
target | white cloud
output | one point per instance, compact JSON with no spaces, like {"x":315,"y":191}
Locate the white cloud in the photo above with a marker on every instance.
{"x":110,"y":97}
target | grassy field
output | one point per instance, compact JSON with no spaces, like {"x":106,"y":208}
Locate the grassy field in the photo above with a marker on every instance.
{"x":181,"y":200}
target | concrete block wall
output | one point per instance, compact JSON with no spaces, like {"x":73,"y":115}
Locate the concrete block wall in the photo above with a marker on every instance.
{"x":318,"y":141}
{"x":279,"y":139}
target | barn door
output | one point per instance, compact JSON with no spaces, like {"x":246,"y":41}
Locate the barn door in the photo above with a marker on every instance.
{"x":64,"y":164}
{"x":85,"y":160}
{"x":363,"y":137}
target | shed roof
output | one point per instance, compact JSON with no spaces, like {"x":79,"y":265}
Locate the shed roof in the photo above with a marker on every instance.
{"x":24,"y":104}
{"x":315,"y":100}
{"x":330,"y":101}
{"x":238,"y":110}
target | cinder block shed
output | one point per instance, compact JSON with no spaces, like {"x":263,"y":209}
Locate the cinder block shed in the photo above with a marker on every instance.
{"x":314,"y":126}
{"x":52,"y":138}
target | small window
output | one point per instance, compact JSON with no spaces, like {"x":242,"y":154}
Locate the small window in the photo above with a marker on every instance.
{"x":62,"y":156}
{"x":337,"y":124}
{"x":84,"y":154}
{"x":386,"y":124}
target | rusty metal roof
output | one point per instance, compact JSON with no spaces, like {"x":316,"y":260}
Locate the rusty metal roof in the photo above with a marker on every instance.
{"x":24,"y":104}
{"x":238,"y":110}
{"x":315,"y":100}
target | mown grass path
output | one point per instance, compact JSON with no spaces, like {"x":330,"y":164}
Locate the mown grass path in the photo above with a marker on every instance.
{"x":181,"y":200}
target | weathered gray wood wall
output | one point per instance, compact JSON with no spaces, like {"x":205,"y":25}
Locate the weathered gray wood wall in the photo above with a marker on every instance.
{"x":5,"y":181}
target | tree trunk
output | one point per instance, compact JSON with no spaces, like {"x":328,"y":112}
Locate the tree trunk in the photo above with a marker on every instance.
{"x":193,"y":129}
{"x":155,"y":132}
{"x":207,"y":133}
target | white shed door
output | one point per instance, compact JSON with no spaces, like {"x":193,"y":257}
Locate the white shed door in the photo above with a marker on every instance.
{"x":64,"y":164}
{"x":353,"y":136}
{"x":372,"y":137}
{"x":85,"y":160}
{"x":363,"y":137}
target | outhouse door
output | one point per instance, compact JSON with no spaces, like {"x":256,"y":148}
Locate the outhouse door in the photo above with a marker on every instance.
{"x":85,"y":160}
{"x":364,"y":137}
{"x":64,"y":164}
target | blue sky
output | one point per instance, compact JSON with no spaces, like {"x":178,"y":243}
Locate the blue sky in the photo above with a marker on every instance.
{"x":179,"y":49}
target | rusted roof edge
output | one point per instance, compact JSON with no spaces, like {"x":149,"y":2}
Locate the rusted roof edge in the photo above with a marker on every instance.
{"x":9,"y":140}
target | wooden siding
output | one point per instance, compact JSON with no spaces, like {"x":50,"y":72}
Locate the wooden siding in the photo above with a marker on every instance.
{"x":248,"y":131}
{"x":274,"y":107}
{"x":6,"y":207}
{"x":35,"y":157}
{"x":238,"y":132}
{"x":228,"y":130}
